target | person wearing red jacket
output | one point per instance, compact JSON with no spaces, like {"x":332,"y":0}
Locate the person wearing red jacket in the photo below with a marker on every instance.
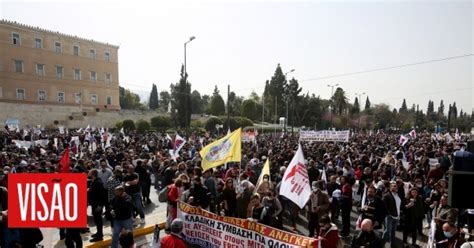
{"x":328,"y":233}
{"x":174,"y":194}
{"x":174,"y":239}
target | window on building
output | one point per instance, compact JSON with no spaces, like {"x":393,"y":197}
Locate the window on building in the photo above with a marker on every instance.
{"x":92,"y":53}
{"x":107,"y":57}
{"x":61,"y":97}
{"x":108,"y":78}
{"x":16,"y":39}
{"x":19,"y":66}
{"x":41,"y":95}
{"x":109,"y":100}
{"x":20,"y":94}
{"x":59,"y":71}
{"x":93,"y":76}
{"x":78,"y":97}
{"x":57,"y":47}
{"x":40,"y":69}
{"x":38,"y":43}
{"x":94,"y":99}
{"x":77,"y":74}
{"x":75,"y":50}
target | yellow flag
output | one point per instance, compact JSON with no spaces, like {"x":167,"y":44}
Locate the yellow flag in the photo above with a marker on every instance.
{"x":265,"y":171}
{"x":219,"y":152}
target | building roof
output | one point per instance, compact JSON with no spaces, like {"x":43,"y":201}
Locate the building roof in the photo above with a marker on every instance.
{"x":25,"y":26}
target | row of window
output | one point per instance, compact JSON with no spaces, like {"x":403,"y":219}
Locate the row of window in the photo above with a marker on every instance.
{"x":40,"y":71}
{"x":61,"y":97}
{"x":58,"y":48}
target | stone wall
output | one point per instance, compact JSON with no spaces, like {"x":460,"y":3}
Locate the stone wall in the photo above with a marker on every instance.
{"x":46,"y":115}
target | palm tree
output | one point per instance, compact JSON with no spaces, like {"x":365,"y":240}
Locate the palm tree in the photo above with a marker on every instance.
{"x":339,"y":100}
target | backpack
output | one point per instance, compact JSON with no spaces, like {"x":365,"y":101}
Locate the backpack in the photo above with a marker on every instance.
{"x":163,"y":195}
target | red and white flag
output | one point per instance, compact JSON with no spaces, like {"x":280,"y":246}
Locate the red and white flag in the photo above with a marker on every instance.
{"x":177,"y":145}
{"x":295,"y":183}
{"x":412,"y":133}
{"x":403,"y":140}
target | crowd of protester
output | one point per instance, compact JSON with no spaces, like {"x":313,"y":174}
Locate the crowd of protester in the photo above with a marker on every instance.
{"x":405,"y":187}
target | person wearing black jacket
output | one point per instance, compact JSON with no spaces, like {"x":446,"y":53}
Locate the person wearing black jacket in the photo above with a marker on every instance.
{"x":392,"y":203}
{"x":97,"y":199}
{"x":366,"y":237}
{"x":374,"y":208}
{"x":145,"y":181}
{"x":199,"y":193}
{"x":121,"y":213}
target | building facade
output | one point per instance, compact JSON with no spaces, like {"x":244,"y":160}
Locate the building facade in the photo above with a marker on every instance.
{"x":43,"y":67}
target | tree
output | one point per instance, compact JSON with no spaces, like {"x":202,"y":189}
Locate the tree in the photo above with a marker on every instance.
{"x":205,"y":103}
{"x":249,"y":109}
{"x":339,"y":101}
{"x":273,"y":93}
{"x":153,"y":102}
{"x":235,"y":102}
{"x":441,"y":109}
{"x":181,"y":100}
{"x":217,"y":106}
{"x":196,"y":103}
{"x":128,"y":100}
{"x":430,"y":109}
{"x":383,"y":116}
{"x":367,"y":104}
{"x":454,"y":110}
{"x":164,"y":100}
{"x":254,"y":96}
{"x":403,"y":108}
{"x":356,"y":107}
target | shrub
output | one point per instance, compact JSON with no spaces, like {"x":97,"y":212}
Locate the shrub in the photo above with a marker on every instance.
{"x":143,"y":126}
{"x":211,"y":124}
{"x":243,"y":122}
{"x":161,"y":122}
{"x":118,"y":125}
{"x":128,"y":125}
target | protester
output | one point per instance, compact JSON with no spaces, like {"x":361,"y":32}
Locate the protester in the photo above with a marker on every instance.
{"x":412,"y":207}
{"x":366,"y":237}
{"x":318,"y":205}
{"x":174,"y":239}
{"x":392,"y":204}
{"x":132,"y":187}
{"x":328,"y":233}
{"x":96,"y":197}
{"x":121,"y":213}
{"x":452,"y":237}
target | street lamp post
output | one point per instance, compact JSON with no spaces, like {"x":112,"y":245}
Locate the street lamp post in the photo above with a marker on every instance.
{"x":287,"y":99}
{"x":332,"y":95}
{"x":185,"y":72}
{"x":359,"y":95}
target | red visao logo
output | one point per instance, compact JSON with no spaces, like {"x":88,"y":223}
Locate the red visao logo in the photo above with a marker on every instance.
{"x":47,"y":200}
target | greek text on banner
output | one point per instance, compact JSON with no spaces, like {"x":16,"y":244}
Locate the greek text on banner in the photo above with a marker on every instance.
{"x":205,"y":229}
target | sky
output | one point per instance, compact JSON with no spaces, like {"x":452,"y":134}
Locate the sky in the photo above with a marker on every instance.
{"x":240,"y":43}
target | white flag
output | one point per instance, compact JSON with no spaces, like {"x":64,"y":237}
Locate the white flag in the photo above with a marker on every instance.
{"x":457,"y":137}
{"x":448,"y":138}
{"x":412,"y":133}
{"x":56,"y":142}
{"x":403,"y":140}
{"x":121,"y":131}
{"x":295,"y":183}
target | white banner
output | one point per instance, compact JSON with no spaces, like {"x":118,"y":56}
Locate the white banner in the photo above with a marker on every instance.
{"x":249,"y":136}
{"x":206,"y":229}
{"x":326,"y":135}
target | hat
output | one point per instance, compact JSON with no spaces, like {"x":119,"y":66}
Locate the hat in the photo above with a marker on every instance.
{"x":177,"y":226}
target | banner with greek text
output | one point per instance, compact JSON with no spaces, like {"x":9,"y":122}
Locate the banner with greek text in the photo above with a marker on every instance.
{"x":249,"y":136}
{"x":325,"y":135}
{"x":205,"y":229}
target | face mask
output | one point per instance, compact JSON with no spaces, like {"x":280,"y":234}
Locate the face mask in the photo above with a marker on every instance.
{"x":447,"y":234}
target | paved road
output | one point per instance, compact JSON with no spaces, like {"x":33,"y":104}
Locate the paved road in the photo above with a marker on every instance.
{"x":51,"y":235}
